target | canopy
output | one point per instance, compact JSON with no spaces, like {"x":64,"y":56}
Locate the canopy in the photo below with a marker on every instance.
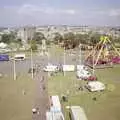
{"x":3,"y":45}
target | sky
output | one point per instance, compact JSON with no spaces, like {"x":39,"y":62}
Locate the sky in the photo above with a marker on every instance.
{"x":59,"y":12}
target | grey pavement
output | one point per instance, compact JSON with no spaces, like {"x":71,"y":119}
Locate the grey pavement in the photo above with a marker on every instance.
{"x":41,"y":96}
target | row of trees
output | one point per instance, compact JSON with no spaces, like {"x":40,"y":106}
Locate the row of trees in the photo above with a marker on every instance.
{"x":69,"y":40}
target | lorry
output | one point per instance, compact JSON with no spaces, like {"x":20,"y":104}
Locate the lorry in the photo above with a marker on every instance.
{"x":4,"y":57}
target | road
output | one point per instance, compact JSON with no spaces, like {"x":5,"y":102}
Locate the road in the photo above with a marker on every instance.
{"x":41,"y":96}
{"x":23,"y":66}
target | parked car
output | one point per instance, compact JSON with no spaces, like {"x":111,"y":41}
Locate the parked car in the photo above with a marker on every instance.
{"x":85,"y":75}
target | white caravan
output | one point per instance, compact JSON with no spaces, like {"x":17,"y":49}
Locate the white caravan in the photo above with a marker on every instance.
{"x":55,"y":104}
{"x":68,"y":68}
{"x":54,"y":116}
{"x":19,"y":57}
{"x":51,"y":68}
{"x":95,"y":86}
{"x":77,"y":113}
{"x":82,"y":67}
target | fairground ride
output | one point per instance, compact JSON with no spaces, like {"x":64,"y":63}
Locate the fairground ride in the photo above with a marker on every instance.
{"x":104,"y":54}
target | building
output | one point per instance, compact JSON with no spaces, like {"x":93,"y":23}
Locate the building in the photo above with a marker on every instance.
{"x":26,"y":34}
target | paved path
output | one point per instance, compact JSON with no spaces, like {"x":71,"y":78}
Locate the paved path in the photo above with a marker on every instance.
{"x":41,"y":96}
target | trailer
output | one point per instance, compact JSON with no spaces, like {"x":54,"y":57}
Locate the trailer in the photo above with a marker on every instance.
{"x":19,"y":57}
{"x":55,"y":104}
{"x":82,"y":67}
{"x":54,"y":116}
{"x":95,"y":86}
{"x":77,"y":113}
{"x":68,"y":68}
{"x":4,"y":57}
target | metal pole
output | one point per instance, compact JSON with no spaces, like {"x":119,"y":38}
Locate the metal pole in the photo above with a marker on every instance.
{"x":64,"y":60}
{"x":48,"y":62}
{"x":80,"y":54}
{"x":32,"y":65}
{"x":14,"y":69}
{"x":93,"y":61}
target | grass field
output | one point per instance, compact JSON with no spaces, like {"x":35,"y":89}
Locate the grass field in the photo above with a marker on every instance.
{"x":14,"y":105}
{"x":106,"y":107}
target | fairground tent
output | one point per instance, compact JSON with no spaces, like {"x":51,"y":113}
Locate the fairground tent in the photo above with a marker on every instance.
{"x":3,"y":45}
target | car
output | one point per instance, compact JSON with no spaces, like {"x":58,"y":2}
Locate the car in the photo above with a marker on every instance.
{"x":82,"y":74}
{"x":86,"y":75}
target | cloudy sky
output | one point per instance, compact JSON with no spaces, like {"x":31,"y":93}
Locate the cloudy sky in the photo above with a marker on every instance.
{"x":71,"y":12}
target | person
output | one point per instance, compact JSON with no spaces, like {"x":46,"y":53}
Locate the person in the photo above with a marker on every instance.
{"x":42,"y":78}
{"x":44,"y":87}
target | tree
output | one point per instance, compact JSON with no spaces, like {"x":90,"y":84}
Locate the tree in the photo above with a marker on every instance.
{"x":69,"y":40}
{"x":94,"y":39}
{"x":7,"y":38}
{"x":58,"y":38}
{"x":33,"y":45}
{"x":38,"y":37}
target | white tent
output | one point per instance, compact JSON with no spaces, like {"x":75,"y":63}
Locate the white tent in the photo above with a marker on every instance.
{"x":3,"y":45}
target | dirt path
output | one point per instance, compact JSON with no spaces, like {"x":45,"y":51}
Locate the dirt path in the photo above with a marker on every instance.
{"x":41,"y":96}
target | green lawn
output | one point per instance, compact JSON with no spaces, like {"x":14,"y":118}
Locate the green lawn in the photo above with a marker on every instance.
{"x":13,"y":104}
{"x":106,"y":107}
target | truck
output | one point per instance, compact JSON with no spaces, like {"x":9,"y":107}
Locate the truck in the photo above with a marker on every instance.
{"x":4,"y":57}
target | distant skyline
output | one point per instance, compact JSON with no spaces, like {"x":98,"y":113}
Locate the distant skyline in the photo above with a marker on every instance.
{"x":60,"y":12}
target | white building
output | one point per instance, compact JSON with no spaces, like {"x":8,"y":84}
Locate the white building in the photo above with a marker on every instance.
{"x":26,"y":33}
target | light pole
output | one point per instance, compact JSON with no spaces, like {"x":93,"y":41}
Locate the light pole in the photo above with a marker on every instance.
{"x":80,"y":55}
{"x":32,"y":64}
{"x":64,"y":60}
{"x":93,"y":61}
{"x":14,"y":69}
